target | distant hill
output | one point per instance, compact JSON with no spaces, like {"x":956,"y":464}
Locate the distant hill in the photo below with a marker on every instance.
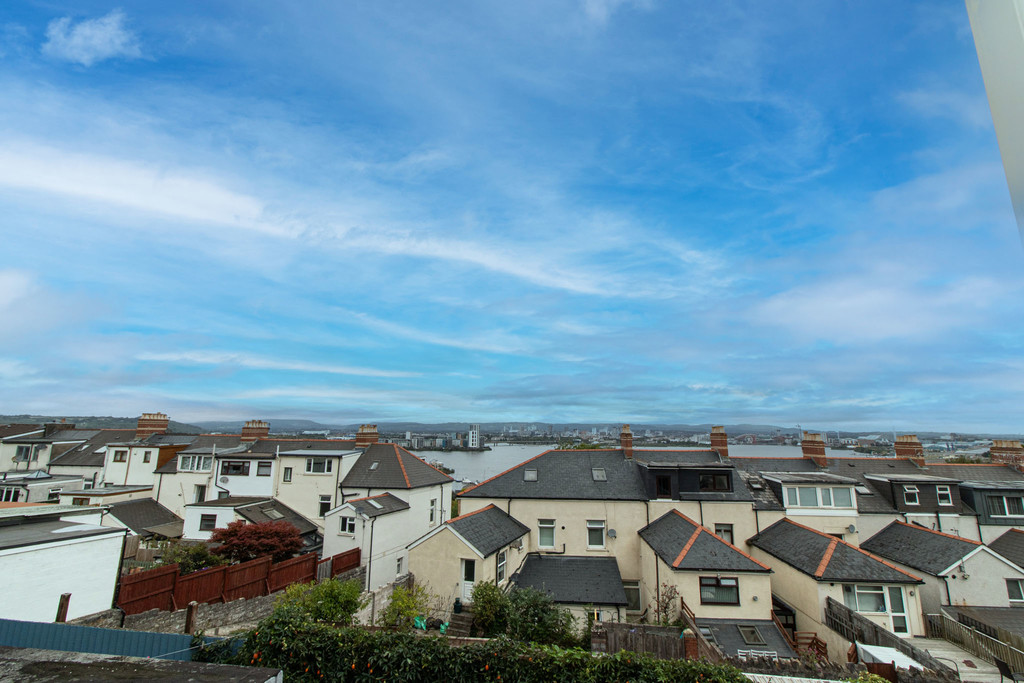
{"x":276,"y":426}
{"x":93,"y":422}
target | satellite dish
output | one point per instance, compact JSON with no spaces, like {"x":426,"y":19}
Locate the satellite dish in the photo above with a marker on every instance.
{"x":851,"y":528}
{"x":611,"y":533}
{"x":223,"y":480}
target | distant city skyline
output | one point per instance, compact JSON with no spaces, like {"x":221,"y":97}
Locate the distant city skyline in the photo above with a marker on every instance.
{"x":623,"y":211}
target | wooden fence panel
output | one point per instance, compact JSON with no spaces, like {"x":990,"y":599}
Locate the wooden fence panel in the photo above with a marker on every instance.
{"x":247,"y":580}
{"x":206,"y":586}
{"x":153,"y":589}
{"x":342,"y":562}
{"x":660,"y":641}
{"x":975,"y":641}
{"x":302,"y":569}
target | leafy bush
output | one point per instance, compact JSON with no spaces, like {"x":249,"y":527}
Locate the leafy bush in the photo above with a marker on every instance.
{"x":332,"y":601}
{"x":534,"y":617}
{"x":190,"y":557}
{"x":405,"y":605}
{"x":242,"y":542}
{"x":317,"y":652}
{"x":490,"y":608}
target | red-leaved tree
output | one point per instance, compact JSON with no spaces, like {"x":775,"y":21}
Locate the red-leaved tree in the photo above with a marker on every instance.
{"x":242,"y":542}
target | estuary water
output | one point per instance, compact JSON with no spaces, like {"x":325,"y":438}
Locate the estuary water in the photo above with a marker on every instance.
{"x":477,"y":466}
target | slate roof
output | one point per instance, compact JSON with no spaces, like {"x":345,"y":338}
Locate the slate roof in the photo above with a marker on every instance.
{"x":18,"y":430}
{"x":687,"y":546}
{"x":726,"y":634}
{"x":205,"y":443}
{"x":140,"y":514}
{"x":567,"y":475}
{"x":680,"y":457}
{"x":758,"y":464}
{"x":1011,"y":546}
{"x":915,"y":546}
{"x":857,"y":468}
{"x":396,"y":468}
{"x":573,"y":580}
{"x":273,"y":445}
{"x":823,"y":478}
{"x":824,"y":557}
{"x":92,"y":452}
{"x":388,"y":503}
{"x":489,"y":529}
{"x":58,"y":436}
{"x":1008,"y":618}
{"x":257,"y":513}
{"x":229,"y":502}
{"x":978,"y":472}
{"x":762,"y":495}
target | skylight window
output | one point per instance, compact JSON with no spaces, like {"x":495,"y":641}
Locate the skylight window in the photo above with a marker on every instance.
{"x":374,"y":465}
{"x":273,"y":514}
{"x":751,"y":636}
{"x":863,"y":490}
{"x":599,"y":474}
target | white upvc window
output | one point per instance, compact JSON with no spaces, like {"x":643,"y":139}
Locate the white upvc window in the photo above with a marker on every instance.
{"x":319,"y":465}
{"x":325,"y":505}
{"x":501,"y":566}
{"x":545,"y":533}
{"x":944,"y":494}
{"x":347,"y":525}
{"x":595,"y":533}
{"x":819,"y":496}
{"x":911,"y":495}
{"x":433,"y":510}
{"x":1015,"y":590}
{"x":195,"y":463}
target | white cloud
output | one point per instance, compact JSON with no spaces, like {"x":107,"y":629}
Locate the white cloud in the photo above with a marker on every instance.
{"x":245,"y":360}
{"x":92,"y":40}
{"x":182,"y":194}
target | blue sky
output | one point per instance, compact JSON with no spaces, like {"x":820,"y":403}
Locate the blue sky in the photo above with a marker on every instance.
{"x":578,"y":210}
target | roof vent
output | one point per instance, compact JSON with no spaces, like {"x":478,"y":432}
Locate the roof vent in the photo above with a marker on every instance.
{"x":599,"y":474}
{"x":530,"y":474}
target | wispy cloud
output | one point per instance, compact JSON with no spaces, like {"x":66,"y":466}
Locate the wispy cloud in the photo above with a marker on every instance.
{"x":245,"y":360}
{"x":91,"y":40}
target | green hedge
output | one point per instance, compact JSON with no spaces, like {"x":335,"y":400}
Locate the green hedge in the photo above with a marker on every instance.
{"x":319,"y":652}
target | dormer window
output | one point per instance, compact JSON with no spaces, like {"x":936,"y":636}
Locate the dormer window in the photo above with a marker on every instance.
{"x":714,"y":482}
{"x":910,"y":495}
{"x":819,"y":497}
{"x":599,"y":474}
{"x":530,"y":474}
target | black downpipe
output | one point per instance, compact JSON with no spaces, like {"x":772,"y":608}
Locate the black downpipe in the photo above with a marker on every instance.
{"x":369,"y":555}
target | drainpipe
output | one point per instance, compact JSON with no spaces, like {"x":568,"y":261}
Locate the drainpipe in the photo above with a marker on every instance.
{"x":369,"y":555}
{"x":945,"y":582}
{"x":700,"y":507}
{"x":127,"y":466}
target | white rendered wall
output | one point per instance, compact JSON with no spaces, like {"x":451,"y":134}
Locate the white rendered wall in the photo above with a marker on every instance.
{"x":36,"y":576}
{"x":193,"y":516}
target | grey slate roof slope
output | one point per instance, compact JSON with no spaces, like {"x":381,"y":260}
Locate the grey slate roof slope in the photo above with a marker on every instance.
{"x":388,"y":503}
{"x":396,"y":468}
{"x":1011,"y":546}
{"x":573,"y":580}
{"x":275,"y":445}
{"x":762,"y":494}
{"x":140,"y":514}
{"x":980,"y":472}
{"x":15,"y":430}
{"x":268,"y":509}
{"x":567,"y":475}
{"x":915,"y":546}
{"x":92,"y":452}
{"x":680,"y":457}
{"x":787,"y":464}
{"x":206,"y":443}
{"x":686,"y":546}
{"x":726,"y":634}
{"x":857,"y":468}
{"x":824,"y":557}
{"x":489,"y":529}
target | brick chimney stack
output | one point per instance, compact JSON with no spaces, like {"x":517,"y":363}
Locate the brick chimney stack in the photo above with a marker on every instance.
{"x":720,"y":442}
{"x":367,"y":436}
{"x":1004,"y":450}
{"x":814,"y":448}
{"x":909,"y":446}
{"x":626,"y":441}
{"x":151,"y":423}
{"x":255,"y":429}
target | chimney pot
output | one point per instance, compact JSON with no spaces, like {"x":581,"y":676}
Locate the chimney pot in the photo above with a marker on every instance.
{"x":151,"y":423}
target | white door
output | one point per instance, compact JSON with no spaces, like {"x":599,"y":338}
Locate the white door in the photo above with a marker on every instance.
{"x":898,"y":610}
{"x":468,"y":578}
